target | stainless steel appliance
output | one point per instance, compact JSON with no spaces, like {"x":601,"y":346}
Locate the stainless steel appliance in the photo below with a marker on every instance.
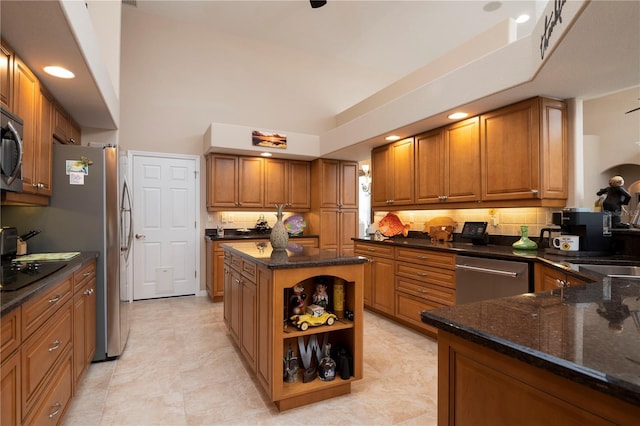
{"x":595,"y":237}
{"x":10,"y":152}
{"x":85,"y":214}
{"x":482,"y":279}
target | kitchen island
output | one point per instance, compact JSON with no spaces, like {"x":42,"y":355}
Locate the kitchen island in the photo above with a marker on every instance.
{"x":567,"y":356}
{"x":260,"y":286}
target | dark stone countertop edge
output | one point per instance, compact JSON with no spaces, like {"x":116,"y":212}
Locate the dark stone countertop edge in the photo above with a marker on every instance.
{"x":252,"y":236}
{"x":12,"y":299}
{"x":268,"y":263}
{"x":593,"y":379}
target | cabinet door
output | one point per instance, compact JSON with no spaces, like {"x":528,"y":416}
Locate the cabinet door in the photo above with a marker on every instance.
{"x":27,"y":93}
{"x":276,"y":176}
{"x":10,"y":400}
{"x":299,"y":185}
{"x":326,"y":174}
{"x":250,"y":182}
{"x":248,"y":335}
{"x":228,"y":291}
{"x":6,"y":77}
{"x":329,"y":230}
{"x":75,"y":133}
{"x":402,"y":172}
{"x":462,"y":161}
{"x":383,"y":285}
{"x":44,"y":144}
{"x":429,"y":164}
{"x":60,"y":123}
{"x":236,"y":307}
{"x":380,"y":172}
{"x":218,"y":277}
{"x":209,"y":271}
{"x":546,"y":278}
{"x":554,"y":153}
{"x":348,"y":229}
{"x":222,"y":181}
{"x":348,"y":185}
{"x":511,"y":152}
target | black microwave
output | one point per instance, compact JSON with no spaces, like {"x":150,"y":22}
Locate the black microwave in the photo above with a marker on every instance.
{"x":11,"y":152}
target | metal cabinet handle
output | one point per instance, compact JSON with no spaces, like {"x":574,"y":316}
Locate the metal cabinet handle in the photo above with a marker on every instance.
{"x":55,"y":298}
{"x":57,"y":406}
{"x":534,"y":191}
{"x":55,"y":346}
{"x":563,"y":283}
{"x":140,"y":236}
{"x":422,"y":274}
{"x":86,"y":274}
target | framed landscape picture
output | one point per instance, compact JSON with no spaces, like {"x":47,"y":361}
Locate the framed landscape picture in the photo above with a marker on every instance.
{"x":271,"y":140}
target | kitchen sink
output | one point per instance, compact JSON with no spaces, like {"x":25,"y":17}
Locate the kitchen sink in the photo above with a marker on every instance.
{"x":617,"y":271}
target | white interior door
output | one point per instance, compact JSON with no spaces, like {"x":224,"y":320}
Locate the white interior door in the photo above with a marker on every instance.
{"x":164,"y":223}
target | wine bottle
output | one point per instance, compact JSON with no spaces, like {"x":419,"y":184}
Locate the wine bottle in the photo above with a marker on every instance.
{"x":327,"y":366}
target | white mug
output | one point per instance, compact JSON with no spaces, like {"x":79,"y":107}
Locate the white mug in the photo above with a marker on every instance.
{"x":567,"y":242}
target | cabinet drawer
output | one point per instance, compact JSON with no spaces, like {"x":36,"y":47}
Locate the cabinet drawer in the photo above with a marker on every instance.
{"x":427,"y":257}
{"x":364,"y":249}
{"x":426,"y":274}
{"x":410,"y":308}
{"x":236,"y":262}
{"x":307,"y":242}
{"x":42,"y":350}
{"x":249,"y":270}
{"x":10,"y":333}
{"x":83,"y":275}
{"x":50,"y":408}
{"x":435,"y":293}
{"x":36,"y":311}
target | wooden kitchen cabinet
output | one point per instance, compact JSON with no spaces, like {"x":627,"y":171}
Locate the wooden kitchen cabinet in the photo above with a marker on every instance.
{"x":84,"y":321}
{"x":287,"y":182}
{"x":234,"y":182}
{"x":379,"y":287}
{"x":424,"y":280}
{"x":6,"y":75}
{"x":548,"y":278}
{"x":26,"y":97}
{"x":10,"y":396}
{"x":65,"y":130}
{"x":334,"y":202}
{"x":392,"y":168}
{"x":525,"y":152}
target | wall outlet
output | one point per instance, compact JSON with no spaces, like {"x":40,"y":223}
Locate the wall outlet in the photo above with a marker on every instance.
{"x":494,"y":218}
{"x":223,"y":218}
{"x":230,"y":218}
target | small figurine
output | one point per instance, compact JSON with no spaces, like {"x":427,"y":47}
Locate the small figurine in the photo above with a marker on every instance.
{"x":616,"y":197}
{"x":296,"y":301}
{"x":320,"y":297}
{"x":290,"y":366}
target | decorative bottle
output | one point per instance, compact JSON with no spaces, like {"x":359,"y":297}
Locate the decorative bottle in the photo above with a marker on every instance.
{"x":327,"y":366}
{"x":279,"y":236}
{"x":524,"y":243}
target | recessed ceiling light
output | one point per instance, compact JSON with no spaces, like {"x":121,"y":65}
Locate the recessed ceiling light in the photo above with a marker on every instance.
{"x":492,"y":6}
{"x":266,"y":154}
{"x":58,"y":72}
{"x":522,"y":19}
{"x":458,"y":115}
{"x":392,"y":138}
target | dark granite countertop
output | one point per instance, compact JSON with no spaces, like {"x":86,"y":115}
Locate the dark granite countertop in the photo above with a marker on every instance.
{"x":12,"y":299}
{"x":551,"y":257}
{"x":295,"y":256}
{"x":233,"y":235}
{"x":595,"y":332}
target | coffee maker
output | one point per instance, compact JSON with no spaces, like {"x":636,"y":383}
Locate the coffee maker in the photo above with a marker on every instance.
{"x":592,"y":228}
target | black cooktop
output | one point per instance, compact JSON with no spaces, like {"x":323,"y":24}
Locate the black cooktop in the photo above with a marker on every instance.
{"x":16,"y":275}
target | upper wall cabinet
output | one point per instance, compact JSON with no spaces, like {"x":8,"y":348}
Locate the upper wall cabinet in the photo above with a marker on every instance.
{"x":287,"y":182}
{"x":64,"y":128}
{"x":6,"y":76}
{"x":337,"y":184}
{"x":447,"y":166}
{"x":515,"y":156}
{"x":238,"y":182}
{"x":524,"y":152}
{"x":392,"y":168}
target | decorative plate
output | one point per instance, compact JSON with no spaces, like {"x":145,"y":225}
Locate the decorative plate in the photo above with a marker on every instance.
{"x":295,"y":224}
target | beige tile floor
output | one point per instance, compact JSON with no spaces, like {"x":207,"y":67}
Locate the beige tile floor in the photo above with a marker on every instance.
{"x":180,"y":368}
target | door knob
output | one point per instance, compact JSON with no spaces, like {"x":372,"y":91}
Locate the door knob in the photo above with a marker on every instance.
{"x":140,"y":237}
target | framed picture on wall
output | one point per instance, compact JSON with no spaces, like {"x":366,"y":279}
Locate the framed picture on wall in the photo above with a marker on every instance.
{"x":271,"y":140}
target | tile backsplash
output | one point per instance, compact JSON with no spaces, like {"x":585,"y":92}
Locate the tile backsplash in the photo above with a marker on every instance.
{"x":507,"y":220}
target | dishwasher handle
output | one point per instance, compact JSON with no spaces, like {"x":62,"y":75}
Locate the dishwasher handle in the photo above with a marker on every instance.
{"x":488,"y":271}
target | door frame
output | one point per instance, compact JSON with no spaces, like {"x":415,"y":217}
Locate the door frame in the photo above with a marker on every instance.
{"x":196,"y":229}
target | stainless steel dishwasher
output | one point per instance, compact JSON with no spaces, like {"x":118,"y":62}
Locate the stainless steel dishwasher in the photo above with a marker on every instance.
{"x":479,"y":279}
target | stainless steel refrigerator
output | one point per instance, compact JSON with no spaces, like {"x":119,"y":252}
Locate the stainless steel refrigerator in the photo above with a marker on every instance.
{"x":90,"y":209}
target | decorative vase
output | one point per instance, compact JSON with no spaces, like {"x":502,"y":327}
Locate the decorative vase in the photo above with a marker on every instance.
{"x":524,"y":243}
{"x":279,"y":236}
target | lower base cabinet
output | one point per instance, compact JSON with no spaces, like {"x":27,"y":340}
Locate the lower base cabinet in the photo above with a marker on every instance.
{"x":475,"y":382}
{"x":547,"y":278}
{"x":47,"y":344}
